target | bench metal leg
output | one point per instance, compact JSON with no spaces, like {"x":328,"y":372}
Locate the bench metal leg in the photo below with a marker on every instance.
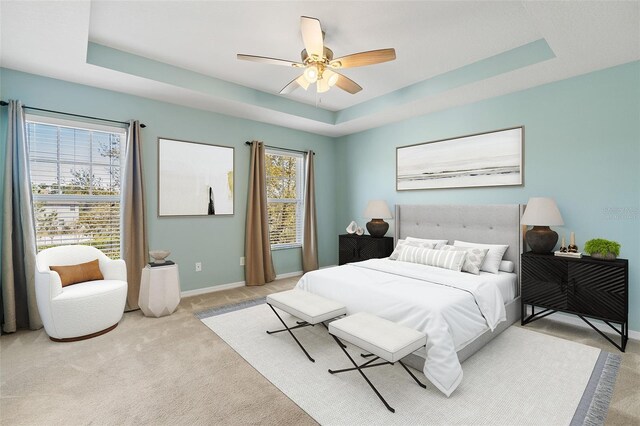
{"x":289,"y":330}
{"x":422,"y":385}
{"x":359,"y":368}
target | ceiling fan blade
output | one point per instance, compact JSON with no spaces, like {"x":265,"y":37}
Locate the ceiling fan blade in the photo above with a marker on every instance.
{"x":294,"y":84}
{"x":272,"y":61}
{"x":348,"y":85}
{"x":364,"y":58}
{"x":312,"y":36}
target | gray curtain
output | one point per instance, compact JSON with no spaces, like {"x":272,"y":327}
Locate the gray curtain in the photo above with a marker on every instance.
{"x":134,"y":247}
{"x":258,"y":268}
{"x":310,"y":235}
{"x":19,"y":308}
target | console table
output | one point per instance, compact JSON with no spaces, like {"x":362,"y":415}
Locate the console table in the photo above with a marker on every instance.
{"x":586,"y":287}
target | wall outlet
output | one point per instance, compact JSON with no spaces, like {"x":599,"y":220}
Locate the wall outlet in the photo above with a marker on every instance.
{"x":242,"y":261}
{"x":198,"y":266}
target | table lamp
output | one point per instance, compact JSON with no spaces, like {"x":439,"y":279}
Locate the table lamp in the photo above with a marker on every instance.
{"x":377,"y":210}
{"x":541,"y":213}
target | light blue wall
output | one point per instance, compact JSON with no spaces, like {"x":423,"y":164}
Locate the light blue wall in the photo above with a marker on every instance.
{"x":582,"y":147}
{"x":217,"y":242}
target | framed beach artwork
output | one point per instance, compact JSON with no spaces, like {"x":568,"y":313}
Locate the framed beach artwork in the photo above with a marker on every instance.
{"x":194,"y":179}
{"x":483,"y":159}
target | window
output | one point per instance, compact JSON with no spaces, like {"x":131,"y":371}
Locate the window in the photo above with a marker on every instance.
{"x":285,"y":186}
{"x":75,"y":180}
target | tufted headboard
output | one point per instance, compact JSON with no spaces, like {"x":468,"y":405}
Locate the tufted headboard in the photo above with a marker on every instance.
{"x":491,"y":224}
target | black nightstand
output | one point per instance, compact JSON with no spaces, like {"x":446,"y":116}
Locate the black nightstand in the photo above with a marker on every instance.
{"x":355,"y":248}
{"x":586,"y":287}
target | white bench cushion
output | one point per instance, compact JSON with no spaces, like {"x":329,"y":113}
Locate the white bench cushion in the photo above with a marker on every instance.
{"x":307,"y":306}
{"x":381,"y":337}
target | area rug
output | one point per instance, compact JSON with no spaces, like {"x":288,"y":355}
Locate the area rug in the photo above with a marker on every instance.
{"x":522,"y":377}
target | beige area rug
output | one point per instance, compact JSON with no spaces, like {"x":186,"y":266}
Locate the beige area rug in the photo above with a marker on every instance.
{"x":521,"y":377}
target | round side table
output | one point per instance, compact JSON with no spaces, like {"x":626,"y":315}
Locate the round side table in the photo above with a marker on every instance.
{"x":159,"y":290}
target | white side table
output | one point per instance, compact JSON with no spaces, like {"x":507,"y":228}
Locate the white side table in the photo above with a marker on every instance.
{"x":159,"y":290}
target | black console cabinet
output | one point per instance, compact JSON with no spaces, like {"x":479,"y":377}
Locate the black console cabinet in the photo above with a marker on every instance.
{"x":355,"y":248}
{"x":587,"y":287}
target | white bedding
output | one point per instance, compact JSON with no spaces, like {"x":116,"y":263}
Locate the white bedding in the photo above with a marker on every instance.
{"x":451,"y":308}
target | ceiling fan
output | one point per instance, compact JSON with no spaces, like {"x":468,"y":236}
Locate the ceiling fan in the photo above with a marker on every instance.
{"x":318,"y":62}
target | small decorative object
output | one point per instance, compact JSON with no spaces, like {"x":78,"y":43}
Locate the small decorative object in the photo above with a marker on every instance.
{"x":541,"y":213}
{"x":567,"y":254}
{"x":573,"y":248}
{"x":602,"y":249}
{"x":359,"y":231}
{"x":159,"y":256}
{"x":352,"y":228}
{"x":563,"y":246}
{"x":377,"y":210}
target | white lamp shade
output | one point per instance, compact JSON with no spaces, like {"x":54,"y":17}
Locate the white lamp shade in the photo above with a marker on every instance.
{"x":541,"y":211}
{"x":377,"y":209}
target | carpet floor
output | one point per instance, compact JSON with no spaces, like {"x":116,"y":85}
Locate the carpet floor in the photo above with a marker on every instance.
{"x":173,"y":370}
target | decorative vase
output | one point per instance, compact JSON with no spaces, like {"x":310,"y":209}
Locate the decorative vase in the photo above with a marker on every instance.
{"x":608,"y":256}
{"x":159,"y":256}
{"x":353,"y":227}
{"x":359,"y":231}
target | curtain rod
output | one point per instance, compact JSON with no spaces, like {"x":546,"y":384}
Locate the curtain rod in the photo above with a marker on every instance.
{"x":281,"y":149}
{"x":3,"y":103}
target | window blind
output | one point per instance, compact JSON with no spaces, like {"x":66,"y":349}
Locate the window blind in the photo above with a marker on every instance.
{"x":285,"y":186}
{"x":75,"y":180}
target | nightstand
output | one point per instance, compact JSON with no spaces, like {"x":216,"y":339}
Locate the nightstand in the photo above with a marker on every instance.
{"x":355,"y":248}
{"x":588,"y":288}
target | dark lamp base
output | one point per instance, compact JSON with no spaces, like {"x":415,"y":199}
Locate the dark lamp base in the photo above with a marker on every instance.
{"x":541,"y":239}
{"x":377,"y":228}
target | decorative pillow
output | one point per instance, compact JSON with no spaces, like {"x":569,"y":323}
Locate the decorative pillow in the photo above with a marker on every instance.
{"x":403,"y":243}
{"x":438,"y":243}
{"x":474,"y":259}
{"x":492,"y":259}
{"x":506,"y":266}
{"x":442,"y":259}
{"x":74,"y":274}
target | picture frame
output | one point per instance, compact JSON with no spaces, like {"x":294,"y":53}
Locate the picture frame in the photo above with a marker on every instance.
{"x":485,"y":159}
{"x":195,"y":179}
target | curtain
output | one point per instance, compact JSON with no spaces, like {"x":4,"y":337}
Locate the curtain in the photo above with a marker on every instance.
{"x":19,"y":307}
{"x":257,"y":248}
{"x":310,"y":237}
{"x":133,"y":245}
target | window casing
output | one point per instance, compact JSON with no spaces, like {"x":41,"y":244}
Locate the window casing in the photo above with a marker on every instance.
{"x":75,"y":179}
{"x":285,"y":191}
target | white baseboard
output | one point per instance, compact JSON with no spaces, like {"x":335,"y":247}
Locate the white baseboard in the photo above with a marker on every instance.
{"x":574,"y":320}
{"x":221,"y":287}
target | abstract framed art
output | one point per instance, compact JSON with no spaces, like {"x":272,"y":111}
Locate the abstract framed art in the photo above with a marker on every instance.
{"x":483,"y":159}
{"x":194,"y":179}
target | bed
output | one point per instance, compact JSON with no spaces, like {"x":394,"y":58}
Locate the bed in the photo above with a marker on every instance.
{"x":459,"y":312}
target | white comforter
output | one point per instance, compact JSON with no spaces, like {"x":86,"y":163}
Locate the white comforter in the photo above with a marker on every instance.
{"x":451,"y":308}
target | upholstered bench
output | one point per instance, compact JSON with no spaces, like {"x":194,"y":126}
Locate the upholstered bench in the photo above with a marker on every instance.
{"x":381,"y":338}
{"x":310,"y":308}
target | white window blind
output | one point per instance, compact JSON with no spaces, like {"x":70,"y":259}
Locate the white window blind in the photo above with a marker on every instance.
{"x":285,"y":186}
{"x":75,"y":179}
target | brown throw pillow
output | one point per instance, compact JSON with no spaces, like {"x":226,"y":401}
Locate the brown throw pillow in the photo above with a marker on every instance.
{"x":74,"y":274}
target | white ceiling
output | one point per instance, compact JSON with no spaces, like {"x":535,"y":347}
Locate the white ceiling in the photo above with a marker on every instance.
{"x":430,"y":38}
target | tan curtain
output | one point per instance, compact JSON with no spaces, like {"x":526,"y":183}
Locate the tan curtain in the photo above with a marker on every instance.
{"x":310,"y":237}
{"x":19,"y":307}
{"x":258,"y":268}
{"x":134,"y":248}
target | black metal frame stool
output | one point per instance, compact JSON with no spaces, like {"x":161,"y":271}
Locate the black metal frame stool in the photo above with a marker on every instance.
{"x":385,"y":340}
{"x":310,"y":308}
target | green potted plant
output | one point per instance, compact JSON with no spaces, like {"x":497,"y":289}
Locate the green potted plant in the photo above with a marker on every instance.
{"x":602,"y":249}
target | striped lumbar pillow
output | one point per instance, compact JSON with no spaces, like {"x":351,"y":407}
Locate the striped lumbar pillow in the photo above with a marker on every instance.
{"x":440,"y":258}
{"x":402,"y":243}
{"x":474,"y":259}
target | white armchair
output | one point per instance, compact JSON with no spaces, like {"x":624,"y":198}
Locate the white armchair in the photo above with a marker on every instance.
{"x":84,"y":310}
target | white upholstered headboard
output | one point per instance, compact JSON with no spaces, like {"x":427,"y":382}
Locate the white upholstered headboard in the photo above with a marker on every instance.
{"x":491,"y":224}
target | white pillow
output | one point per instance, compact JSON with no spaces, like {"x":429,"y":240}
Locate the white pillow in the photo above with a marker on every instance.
{"x":440,"y":258}
{"x":474,"y":259}
{"x":493,"y":258}
{"x":403,"y":243}
{"x":438,"y":243}
{"x":507,"y":266}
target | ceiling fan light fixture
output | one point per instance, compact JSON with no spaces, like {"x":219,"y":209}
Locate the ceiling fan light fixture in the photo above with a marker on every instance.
{"x":322,"y":85}
{"x":311,"y":74}
{"x":332,"y":78}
